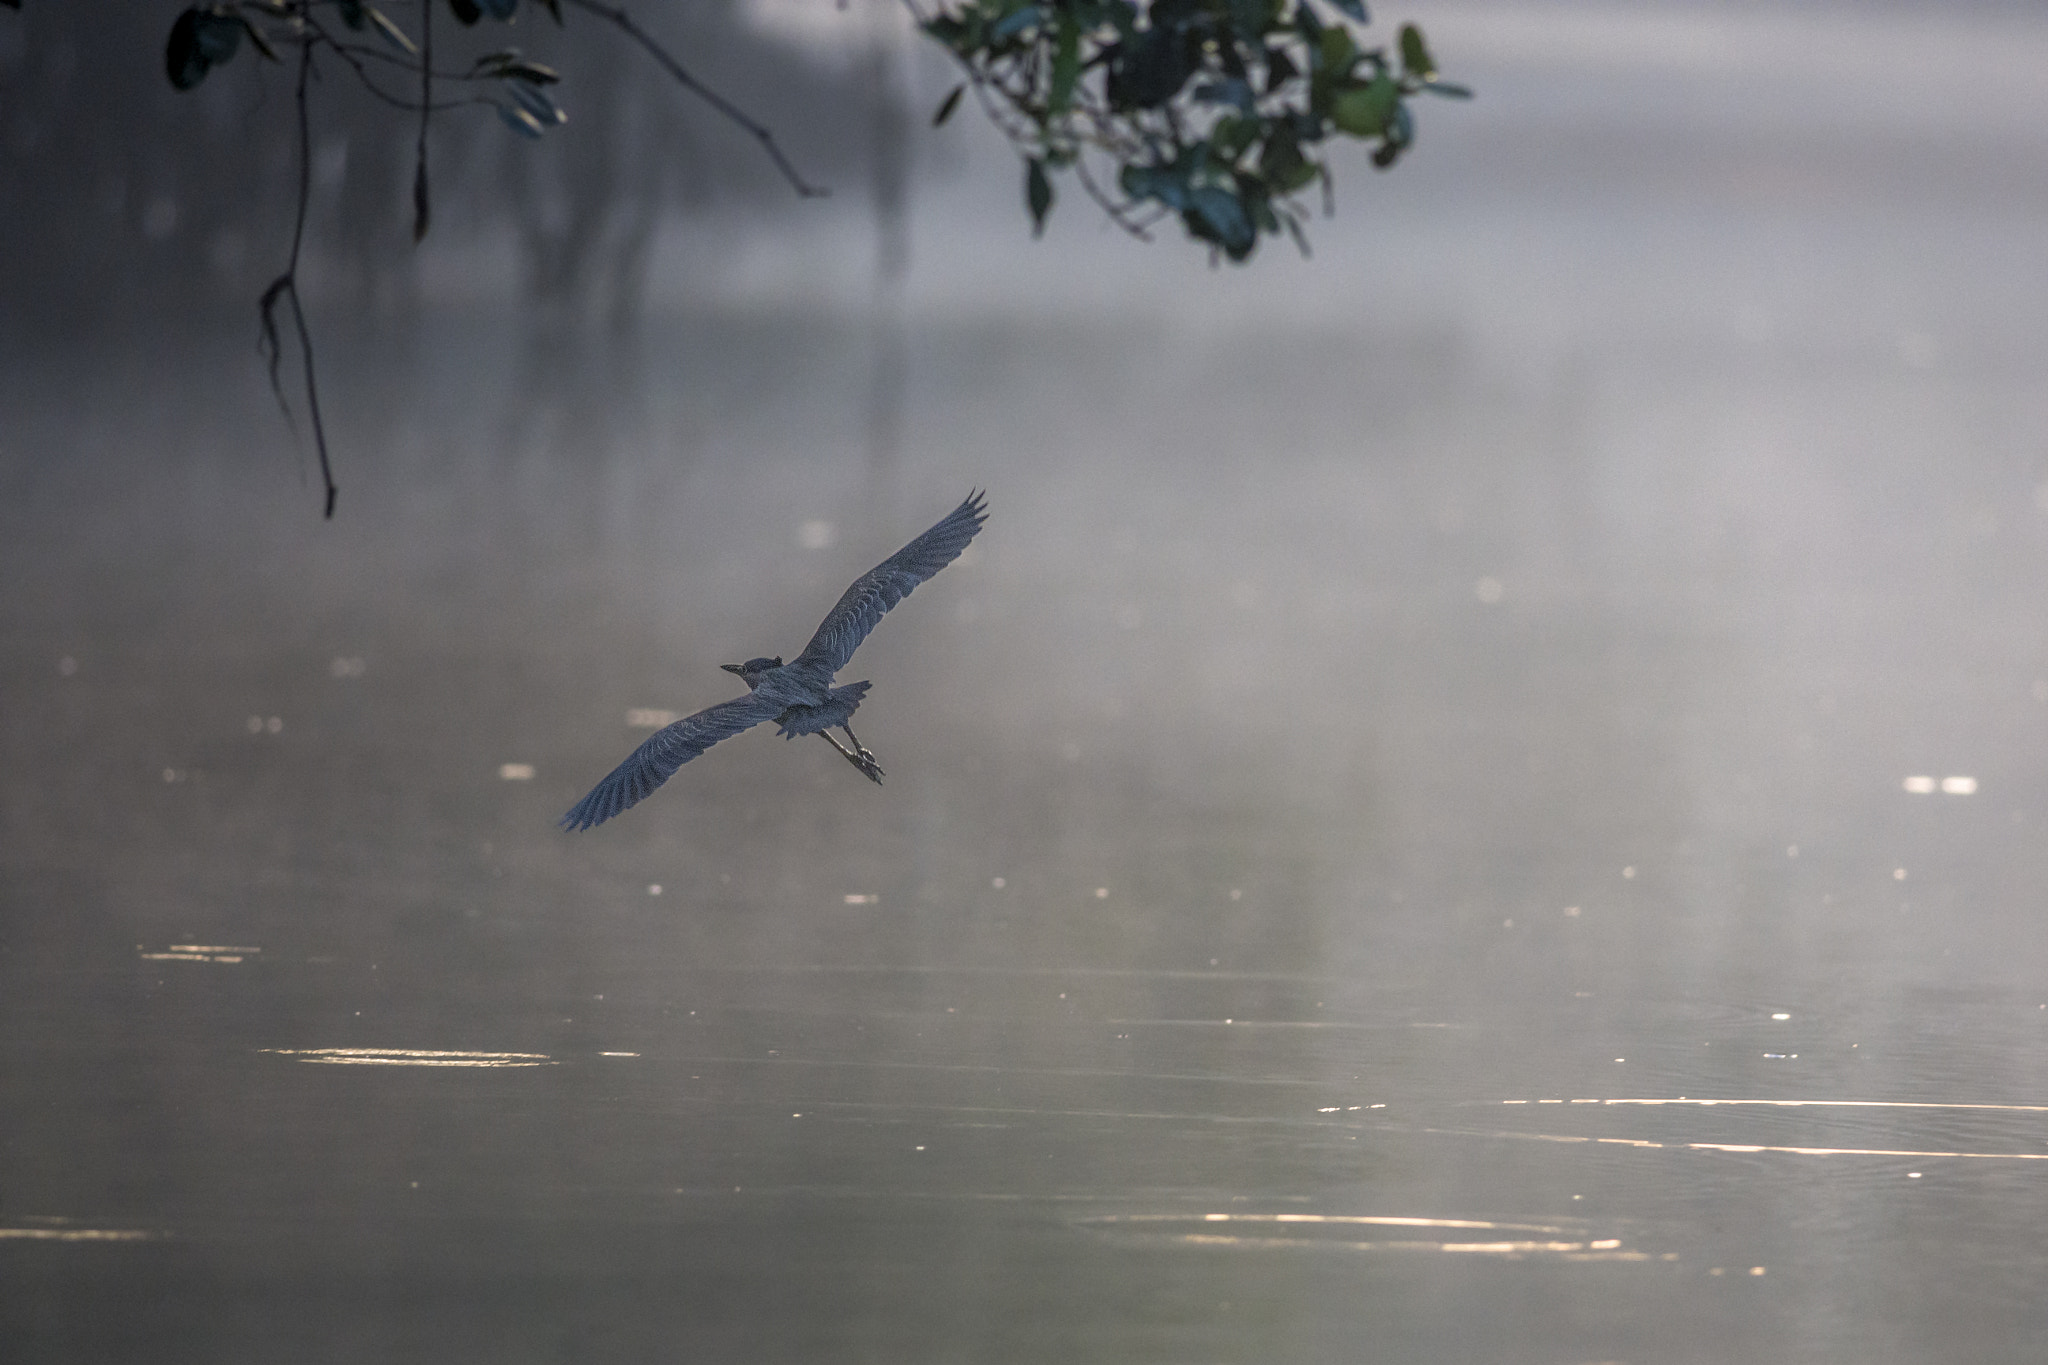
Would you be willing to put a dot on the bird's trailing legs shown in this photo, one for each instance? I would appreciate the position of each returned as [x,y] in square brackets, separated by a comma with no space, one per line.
[858,756]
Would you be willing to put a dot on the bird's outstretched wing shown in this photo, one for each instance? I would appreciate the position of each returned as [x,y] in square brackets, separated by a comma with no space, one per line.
[883,586]
[668,749]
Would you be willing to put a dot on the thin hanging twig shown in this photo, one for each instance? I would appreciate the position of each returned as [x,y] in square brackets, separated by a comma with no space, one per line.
[286,286]
[420,213]
[310,33]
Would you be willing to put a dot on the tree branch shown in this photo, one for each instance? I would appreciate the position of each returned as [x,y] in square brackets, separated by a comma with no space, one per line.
[354,53]
[1118,212]
[619,19]
[420,213]
[286,286]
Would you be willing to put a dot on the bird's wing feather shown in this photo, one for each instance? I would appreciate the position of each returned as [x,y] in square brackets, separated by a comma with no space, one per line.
[883,586]
[668,749]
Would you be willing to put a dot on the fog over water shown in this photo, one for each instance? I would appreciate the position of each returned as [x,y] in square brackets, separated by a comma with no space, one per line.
[1478,799]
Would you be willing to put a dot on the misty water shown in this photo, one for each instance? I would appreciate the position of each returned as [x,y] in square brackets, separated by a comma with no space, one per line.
[1478,799]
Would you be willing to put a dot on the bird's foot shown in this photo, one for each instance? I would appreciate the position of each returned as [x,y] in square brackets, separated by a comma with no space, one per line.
[859,757]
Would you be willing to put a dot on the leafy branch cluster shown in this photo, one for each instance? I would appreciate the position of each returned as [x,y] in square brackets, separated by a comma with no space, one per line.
[206,36]
[209,35]
[1213,110]
[1218,112]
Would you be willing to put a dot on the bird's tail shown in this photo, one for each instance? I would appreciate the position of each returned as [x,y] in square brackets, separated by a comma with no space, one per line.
[837,709]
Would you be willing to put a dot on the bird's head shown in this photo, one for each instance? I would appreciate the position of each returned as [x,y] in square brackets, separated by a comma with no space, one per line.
[753,670]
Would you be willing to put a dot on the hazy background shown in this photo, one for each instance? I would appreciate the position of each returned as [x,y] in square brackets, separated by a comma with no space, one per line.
[1478,666]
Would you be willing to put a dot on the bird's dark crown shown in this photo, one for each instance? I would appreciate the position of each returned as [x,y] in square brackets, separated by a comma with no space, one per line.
[753,669]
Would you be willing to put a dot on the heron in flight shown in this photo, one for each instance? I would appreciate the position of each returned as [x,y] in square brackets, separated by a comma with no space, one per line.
[798,695]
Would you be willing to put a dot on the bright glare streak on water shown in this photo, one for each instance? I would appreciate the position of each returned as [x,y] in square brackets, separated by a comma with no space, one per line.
[373,1056]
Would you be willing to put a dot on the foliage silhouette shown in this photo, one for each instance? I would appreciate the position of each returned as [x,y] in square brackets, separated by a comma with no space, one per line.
[1217,113]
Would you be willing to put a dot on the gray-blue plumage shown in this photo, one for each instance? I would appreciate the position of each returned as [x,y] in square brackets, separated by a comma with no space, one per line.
[798,721]
[861,606]
[798,695]
[654,762]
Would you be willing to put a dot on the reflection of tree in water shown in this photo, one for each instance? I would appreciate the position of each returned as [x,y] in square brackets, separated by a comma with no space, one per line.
[585,208]
[576,409]
[889,195]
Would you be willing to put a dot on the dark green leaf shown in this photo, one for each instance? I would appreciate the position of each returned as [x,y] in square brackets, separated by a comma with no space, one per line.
[1448,90]
[1066,68]
[465,11]
[533,71]
[183,61]
[535,101]
[1231,134]
[1037,195]
[1366,110]
[952,32]
[1354,8]
[1122,15]
[519,121]
[1216,215]
[1279,68]
[1167,184]
[1227,91]
[200,40]
[1150,69]
[1251,18]
[1013,24]
[948,105]
[1334,52]
[218,35]
[390,32]
[1282,164]
[1415,58]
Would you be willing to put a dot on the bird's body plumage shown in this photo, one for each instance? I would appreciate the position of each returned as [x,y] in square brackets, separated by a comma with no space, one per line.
[798,695]
[837,709]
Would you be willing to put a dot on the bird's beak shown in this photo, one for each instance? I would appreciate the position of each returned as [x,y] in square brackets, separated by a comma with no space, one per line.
[732,668]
